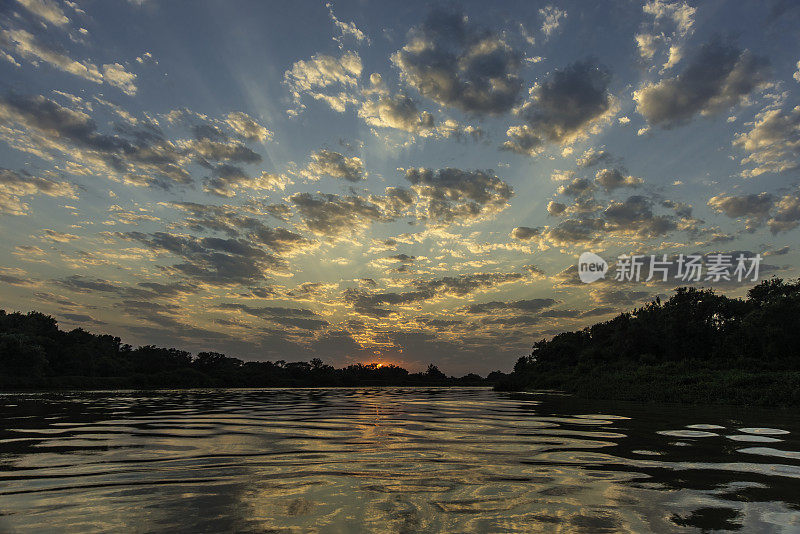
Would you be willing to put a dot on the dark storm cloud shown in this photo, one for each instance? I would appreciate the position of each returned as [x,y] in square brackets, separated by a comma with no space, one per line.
[718,77]
[562,108]
[454,63]
[446,195]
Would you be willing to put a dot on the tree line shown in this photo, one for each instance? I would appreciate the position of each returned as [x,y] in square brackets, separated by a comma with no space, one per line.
[36,353]
[698,346]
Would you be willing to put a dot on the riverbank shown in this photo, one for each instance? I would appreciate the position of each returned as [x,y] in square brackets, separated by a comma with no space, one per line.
[698,347]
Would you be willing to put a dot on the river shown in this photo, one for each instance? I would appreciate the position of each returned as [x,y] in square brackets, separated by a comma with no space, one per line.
[390,460]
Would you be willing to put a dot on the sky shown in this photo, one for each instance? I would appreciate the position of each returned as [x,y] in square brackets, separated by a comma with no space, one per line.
[403,182]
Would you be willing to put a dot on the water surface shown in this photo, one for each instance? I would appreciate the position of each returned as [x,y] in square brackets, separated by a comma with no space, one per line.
[390,460]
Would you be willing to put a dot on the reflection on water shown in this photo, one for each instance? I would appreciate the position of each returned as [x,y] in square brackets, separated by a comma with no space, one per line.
[390,460]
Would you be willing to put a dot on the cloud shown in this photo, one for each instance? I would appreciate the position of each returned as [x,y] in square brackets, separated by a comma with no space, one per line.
[116,75]
[592,157]
[329,79]
[527,306]
[787,214]
[332,215]
[551,19]
[57,237]
[226,180]
[399,112]
[742,206]
[214,260]
[773,142]
[47,10]
[374,303]
[232,222]
[246,127]
[291,317]
[570,104]
[346,29]
[329,163]
[672,23]
[611,179]
[27,45]
[718,77]
[525,233]
[631,217]
[455,64]
[15,185]
[635,215]
[447,195]
[138,152]
[578,187]
[556,208]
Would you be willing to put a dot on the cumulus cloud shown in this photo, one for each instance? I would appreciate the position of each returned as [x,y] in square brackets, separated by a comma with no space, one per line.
[592,157]
[291,317]
[742,206]
[551,19]
[450,61]
[16,185]
[346,29]
[213,260]
[399,112]
[718,77]
[226,180]
[787,214]
[247,127]
[527,306]
[556,208]
[570,104]
[232,222]
[611,179]
[57,237]
[137,153]
[447,195]
[329,163]
[525,233]
[578,187]
[672,23]
[332,215]
[773,142]
[329,79]
[374,303]
[588,222]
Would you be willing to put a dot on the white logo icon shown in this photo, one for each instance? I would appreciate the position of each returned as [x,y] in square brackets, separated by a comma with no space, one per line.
[591,267]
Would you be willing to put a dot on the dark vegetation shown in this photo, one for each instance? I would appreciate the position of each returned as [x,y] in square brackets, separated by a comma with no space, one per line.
[696,347]
[35,353]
